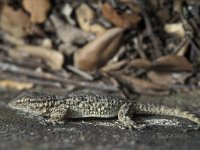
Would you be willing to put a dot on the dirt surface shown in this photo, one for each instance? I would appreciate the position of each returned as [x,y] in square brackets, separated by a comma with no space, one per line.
[22,131]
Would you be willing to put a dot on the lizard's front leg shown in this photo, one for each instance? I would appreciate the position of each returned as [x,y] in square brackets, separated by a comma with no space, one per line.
[58,114]
[124,115]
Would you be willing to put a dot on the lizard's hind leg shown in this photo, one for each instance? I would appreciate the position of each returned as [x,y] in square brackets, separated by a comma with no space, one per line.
[124,115]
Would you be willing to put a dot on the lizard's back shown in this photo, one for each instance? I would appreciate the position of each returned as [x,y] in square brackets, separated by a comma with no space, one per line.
[90,104]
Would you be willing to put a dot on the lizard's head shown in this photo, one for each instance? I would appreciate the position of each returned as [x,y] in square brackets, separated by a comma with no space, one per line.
[29,102]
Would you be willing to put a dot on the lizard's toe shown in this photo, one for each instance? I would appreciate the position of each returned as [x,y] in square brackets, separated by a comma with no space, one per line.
[134,126]
[55,122]
[139,126]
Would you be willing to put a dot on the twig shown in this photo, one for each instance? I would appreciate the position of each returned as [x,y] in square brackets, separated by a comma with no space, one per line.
[149,28]
[6,67]
[30,80]
[81,73]
[139,49]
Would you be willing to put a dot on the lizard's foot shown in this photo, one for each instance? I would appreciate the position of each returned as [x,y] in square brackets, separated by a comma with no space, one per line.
[55,122]
[128,123]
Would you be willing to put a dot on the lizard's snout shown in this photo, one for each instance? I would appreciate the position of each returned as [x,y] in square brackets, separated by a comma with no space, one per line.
[17,103]
[14,103]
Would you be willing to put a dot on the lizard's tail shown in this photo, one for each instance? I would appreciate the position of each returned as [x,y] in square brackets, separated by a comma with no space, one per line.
[145,108]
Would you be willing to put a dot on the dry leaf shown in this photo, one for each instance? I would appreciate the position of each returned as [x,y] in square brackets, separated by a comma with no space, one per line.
[177,6]
[142,86]
[13,39]
[161,78]
[16,22]
[38,9]
[172,63]
[52,57]
[11,84]
[67,11]
[140,64]
[68,34]
[85,16]
[121,20]
[175,29]
[181,77]
[168,79]
[97,29]
[114,66]
[98,52]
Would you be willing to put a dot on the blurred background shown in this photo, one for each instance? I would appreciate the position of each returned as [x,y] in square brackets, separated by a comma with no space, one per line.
[125,46]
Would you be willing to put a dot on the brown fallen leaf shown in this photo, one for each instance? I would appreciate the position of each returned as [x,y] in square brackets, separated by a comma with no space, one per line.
[98,52]
[114,66]
[161,78]
[140,64]
[172,63]
[16,22]
[85,16]
[53,58]
[142,86]
[120,20]
[174,81]
[38,9]
[11,84]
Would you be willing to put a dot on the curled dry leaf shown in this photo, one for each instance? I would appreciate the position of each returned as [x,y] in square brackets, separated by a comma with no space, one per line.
[142,86]
[53,58]
[172,63]
[98,52]
[16,22]
[85,16]
[11,84]
[38,9]
[121,20]
[175,29]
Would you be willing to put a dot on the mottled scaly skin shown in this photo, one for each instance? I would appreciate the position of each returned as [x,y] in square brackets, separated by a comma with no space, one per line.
[91,104]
